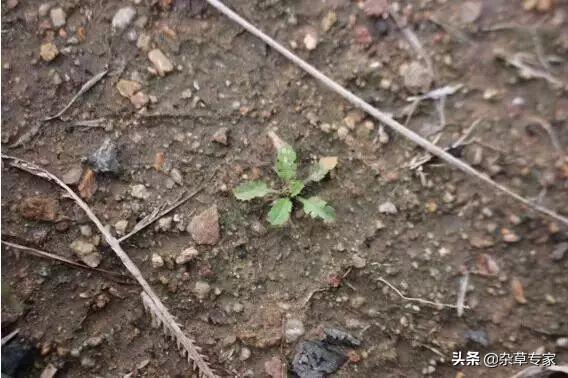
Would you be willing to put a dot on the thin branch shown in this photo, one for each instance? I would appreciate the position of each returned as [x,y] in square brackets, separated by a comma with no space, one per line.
[461,294]
[522,62]
[156,306]
[383,117]
[91,123]
[414,42]
[6,339]
[539,50]
[419,161]
[549,130]
[40,253]
[417,300]
[157,214]
[88,85]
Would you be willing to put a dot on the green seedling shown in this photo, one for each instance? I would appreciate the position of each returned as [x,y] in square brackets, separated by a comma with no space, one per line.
[286,168]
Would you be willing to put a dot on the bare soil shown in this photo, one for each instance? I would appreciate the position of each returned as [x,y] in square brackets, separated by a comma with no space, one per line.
[261,276]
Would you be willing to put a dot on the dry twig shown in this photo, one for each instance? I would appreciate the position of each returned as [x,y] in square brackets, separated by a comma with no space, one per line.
[549,130]
[419,161]
[461,293]
[525,64]
[151,301]
[414,42]
[439,95]
[40,253]
[383,117]
[91,123]
[6,339]
[88,85]
[417,300]
[158,213]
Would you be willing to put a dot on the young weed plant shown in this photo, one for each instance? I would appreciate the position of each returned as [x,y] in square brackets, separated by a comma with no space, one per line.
[286,168]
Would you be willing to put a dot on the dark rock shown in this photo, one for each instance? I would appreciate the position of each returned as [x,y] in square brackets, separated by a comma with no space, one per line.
[559,251]
[382,27]
[478,336]
[105,159]
[17,358]
[337,337]
[317,359]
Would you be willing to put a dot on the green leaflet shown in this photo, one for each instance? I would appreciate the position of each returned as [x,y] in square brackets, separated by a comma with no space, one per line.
[286,165]
[280,212]
[318,208]
[295,187]
[251,189]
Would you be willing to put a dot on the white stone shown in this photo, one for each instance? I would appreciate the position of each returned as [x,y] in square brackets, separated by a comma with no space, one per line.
[160,61]
[120,226]
[187,255]
[294,328]
[58,17]
[87,253]
[123,17]
[157,261]
[139,191]
[387,208]
[202,289]
[310,41]
[86,230]
[176,175]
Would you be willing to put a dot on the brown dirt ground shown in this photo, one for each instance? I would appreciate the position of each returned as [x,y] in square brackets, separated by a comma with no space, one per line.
[250,89]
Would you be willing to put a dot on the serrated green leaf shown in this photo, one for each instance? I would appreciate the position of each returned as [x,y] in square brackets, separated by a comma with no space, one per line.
[318,208]
[286,165]
[280,212]
[251,189]
[295,187]
[322,168]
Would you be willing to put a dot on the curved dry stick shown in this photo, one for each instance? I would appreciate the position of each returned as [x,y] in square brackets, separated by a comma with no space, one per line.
[384,118]
[40,253]
[418,300]
[152,302]
[88,85]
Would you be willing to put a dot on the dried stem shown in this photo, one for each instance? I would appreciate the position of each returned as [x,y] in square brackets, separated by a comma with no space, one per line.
[418,300]
[461,293]
[85,88]
[40,253]
[157,214]
[6,339]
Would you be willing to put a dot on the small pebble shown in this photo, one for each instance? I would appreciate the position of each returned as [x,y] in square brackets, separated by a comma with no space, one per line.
[157,261]
[176,175]
[58,17]
[139,191]
[87,362]
[160,61]
[121,226]
[86,230]
[245,354]
[202,289]
[383,135]
[311,40]
[293,329]
[358,261]
[123,17]
[48,51]
[387,208]
[187,255]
